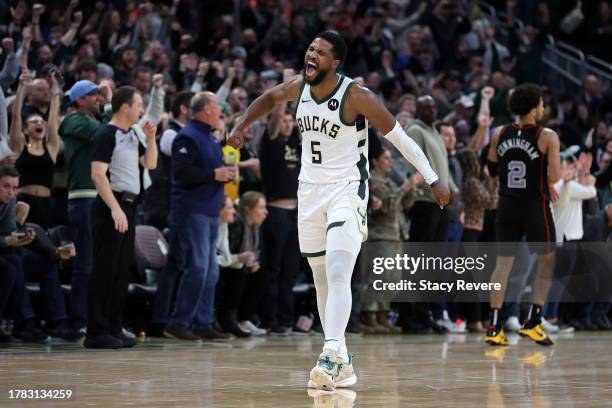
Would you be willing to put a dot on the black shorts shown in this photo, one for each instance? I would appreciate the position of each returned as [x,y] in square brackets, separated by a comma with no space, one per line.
[530,218]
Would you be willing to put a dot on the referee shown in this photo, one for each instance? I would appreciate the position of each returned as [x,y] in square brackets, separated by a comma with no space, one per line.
[116,155]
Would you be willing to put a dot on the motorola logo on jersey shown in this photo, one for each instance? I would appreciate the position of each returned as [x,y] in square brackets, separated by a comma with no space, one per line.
[333,104]
[317,124]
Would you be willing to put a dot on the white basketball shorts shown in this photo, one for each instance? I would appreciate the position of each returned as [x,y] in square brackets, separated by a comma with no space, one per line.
[322,207]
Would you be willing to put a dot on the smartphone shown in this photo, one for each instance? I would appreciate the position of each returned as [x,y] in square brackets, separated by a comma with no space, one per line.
[58,77]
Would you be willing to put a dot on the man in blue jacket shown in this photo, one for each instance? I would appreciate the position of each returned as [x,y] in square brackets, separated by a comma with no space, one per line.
[198,176]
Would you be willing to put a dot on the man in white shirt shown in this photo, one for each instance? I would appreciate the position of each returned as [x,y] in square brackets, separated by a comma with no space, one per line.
[576,185]
[180,116]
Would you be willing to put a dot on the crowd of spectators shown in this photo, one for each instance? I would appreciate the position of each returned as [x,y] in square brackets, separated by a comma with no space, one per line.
[441,67]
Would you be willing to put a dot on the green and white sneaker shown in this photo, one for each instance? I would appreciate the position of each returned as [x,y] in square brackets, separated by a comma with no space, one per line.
[323,375]
[347,377]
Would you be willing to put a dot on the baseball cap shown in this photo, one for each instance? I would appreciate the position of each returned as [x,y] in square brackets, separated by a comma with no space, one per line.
[81,88]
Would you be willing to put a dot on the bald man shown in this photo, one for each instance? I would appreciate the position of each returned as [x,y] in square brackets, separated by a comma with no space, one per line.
[197,180]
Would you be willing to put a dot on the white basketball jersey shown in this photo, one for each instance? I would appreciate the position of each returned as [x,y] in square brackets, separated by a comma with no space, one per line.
[332,150]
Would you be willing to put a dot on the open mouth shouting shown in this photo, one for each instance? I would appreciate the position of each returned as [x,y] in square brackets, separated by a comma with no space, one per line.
[311,69]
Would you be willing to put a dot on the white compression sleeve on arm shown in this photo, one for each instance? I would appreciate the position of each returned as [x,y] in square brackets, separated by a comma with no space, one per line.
[412,152]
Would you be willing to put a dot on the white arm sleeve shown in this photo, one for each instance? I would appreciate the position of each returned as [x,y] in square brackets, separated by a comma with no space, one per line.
[165,144]
[412,152]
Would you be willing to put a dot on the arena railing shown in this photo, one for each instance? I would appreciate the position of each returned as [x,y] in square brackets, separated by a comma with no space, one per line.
[566,61]
[599,68]
[566,65]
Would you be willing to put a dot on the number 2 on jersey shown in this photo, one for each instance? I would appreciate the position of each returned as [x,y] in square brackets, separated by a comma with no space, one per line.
[316,154]
[516,174]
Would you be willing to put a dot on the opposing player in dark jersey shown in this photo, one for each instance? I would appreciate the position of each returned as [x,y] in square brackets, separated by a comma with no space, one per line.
[526,158]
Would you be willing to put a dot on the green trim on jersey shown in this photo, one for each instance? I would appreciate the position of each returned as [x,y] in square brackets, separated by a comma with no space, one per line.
[361,165]
[313,254]
[335,224]
[297,105]
[346,92]
[328,97]
[362,190]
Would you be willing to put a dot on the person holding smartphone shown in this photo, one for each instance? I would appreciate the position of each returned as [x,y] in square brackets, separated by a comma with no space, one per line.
[13,293]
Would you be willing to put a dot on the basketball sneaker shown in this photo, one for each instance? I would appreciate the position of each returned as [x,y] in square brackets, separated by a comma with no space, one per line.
[513,324]
[536,333]
[495,337]
[248,326]
[323,375]
[347,377]
[549,327]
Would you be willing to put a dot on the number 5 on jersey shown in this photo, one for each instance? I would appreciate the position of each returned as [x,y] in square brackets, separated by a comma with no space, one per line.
[316,153]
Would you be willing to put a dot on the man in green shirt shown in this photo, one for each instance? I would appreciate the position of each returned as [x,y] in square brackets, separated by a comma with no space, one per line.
[77,131]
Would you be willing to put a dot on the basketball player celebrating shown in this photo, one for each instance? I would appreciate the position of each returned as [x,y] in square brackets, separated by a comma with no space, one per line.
[332,115]
[526,156]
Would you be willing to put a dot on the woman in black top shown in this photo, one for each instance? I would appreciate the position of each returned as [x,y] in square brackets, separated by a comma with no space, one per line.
[36,144]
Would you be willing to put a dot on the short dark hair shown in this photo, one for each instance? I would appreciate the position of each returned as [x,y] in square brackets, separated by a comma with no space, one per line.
[138,70]
[182,98]
[440,125]
[8,171]
[87,65]
[387,87]
[338,45]
[524,98]
[121,96]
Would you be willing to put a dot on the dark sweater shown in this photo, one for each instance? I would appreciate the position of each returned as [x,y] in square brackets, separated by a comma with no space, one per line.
[196,153]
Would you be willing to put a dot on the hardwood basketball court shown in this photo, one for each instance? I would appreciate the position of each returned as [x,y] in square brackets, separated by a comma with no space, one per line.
[393,371]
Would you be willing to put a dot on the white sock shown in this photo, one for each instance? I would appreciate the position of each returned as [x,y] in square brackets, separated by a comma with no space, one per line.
[317,265]
[339,347]
[339,266]
[343,351]
[320,280]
